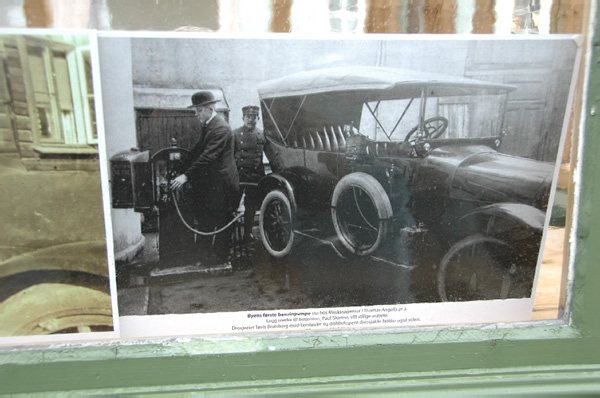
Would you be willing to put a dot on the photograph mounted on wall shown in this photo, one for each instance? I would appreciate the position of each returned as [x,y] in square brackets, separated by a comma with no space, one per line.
[54,273]
[330,184]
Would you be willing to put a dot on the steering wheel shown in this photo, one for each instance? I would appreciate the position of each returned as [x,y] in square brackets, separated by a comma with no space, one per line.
[433,127]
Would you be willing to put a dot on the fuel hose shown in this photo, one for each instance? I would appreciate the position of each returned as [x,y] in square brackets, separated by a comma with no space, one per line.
[202,233]
[211,233]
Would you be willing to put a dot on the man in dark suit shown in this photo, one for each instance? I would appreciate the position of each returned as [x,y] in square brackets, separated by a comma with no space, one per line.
[213,175]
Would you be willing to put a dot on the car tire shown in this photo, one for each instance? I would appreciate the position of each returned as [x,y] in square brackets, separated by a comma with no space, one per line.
[275,223]
[63,288]
[481,267]
[73,309]
[360,210]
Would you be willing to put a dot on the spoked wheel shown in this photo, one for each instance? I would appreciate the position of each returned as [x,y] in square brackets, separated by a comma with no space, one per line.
[481,267]
[276,224]
[360,211]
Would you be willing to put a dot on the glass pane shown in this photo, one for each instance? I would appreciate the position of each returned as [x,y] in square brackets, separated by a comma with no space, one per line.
[38,71]
[68,126]
[43,122]
[63,84]
[89,90]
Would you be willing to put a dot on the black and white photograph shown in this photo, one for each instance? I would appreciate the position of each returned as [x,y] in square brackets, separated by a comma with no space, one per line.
[270,183]
[55,281]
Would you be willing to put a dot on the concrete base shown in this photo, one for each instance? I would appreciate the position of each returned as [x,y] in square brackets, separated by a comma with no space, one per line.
[130,252]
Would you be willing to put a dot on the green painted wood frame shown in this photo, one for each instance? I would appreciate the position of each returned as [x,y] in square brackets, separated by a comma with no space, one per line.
[555,357]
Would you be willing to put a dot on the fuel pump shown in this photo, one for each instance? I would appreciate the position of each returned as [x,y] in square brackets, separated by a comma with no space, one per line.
[140,181]
[176,243]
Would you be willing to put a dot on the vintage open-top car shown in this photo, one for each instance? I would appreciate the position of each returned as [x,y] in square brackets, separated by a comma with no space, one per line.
[363,154]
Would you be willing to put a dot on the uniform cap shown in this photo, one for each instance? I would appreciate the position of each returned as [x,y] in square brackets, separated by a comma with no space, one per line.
[250,110]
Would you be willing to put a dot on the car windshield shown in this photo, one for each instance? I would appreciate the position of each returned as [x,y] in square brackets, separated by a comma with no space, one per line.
[444,117]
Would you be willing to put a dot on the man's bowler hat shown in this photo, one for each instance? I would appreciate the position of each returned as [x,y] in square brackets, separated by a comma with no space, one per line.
[250,110]
[202,98]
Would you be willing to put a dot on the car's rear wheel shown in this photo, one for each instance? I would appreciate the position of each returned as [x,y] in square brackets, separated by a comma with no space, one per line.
[276,224]
[480,267]
[361,210]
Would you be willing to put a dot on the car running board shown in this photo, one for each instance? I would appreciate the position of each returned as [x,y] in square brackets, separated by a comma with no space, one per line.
[331,242]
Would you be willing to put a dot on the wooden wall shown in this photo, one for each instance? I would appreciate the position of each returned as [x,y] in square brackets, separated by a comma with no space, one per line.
[7,122]
[15,120]
[534,113]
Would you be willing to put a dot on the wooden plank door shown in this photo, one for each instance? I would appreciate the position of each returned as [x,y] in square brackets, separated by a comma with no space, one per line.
[157,128]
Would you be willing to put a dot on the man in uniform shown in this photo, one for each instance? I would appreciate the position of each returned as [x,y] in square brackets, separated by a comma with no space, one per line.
[249,146]
[212,172]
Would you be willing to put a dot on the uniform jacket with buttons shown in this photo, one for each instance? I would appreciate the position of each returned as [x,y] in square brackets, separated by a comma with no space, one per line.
[249,146]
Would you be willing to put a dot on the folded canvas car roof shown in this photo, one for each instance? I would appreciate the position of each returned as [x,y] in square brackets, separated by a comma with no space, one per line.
[397,83]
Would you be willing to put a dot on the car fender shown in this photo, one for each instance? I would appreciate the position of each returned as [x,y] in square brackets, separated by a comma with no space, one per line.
[277,181]
[513,221]
[86,257]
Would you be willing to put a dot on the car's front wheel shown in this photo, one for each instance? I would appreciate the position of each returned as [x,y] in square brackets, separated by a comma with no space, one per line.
[481,267]
[276,224]
[361,211]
